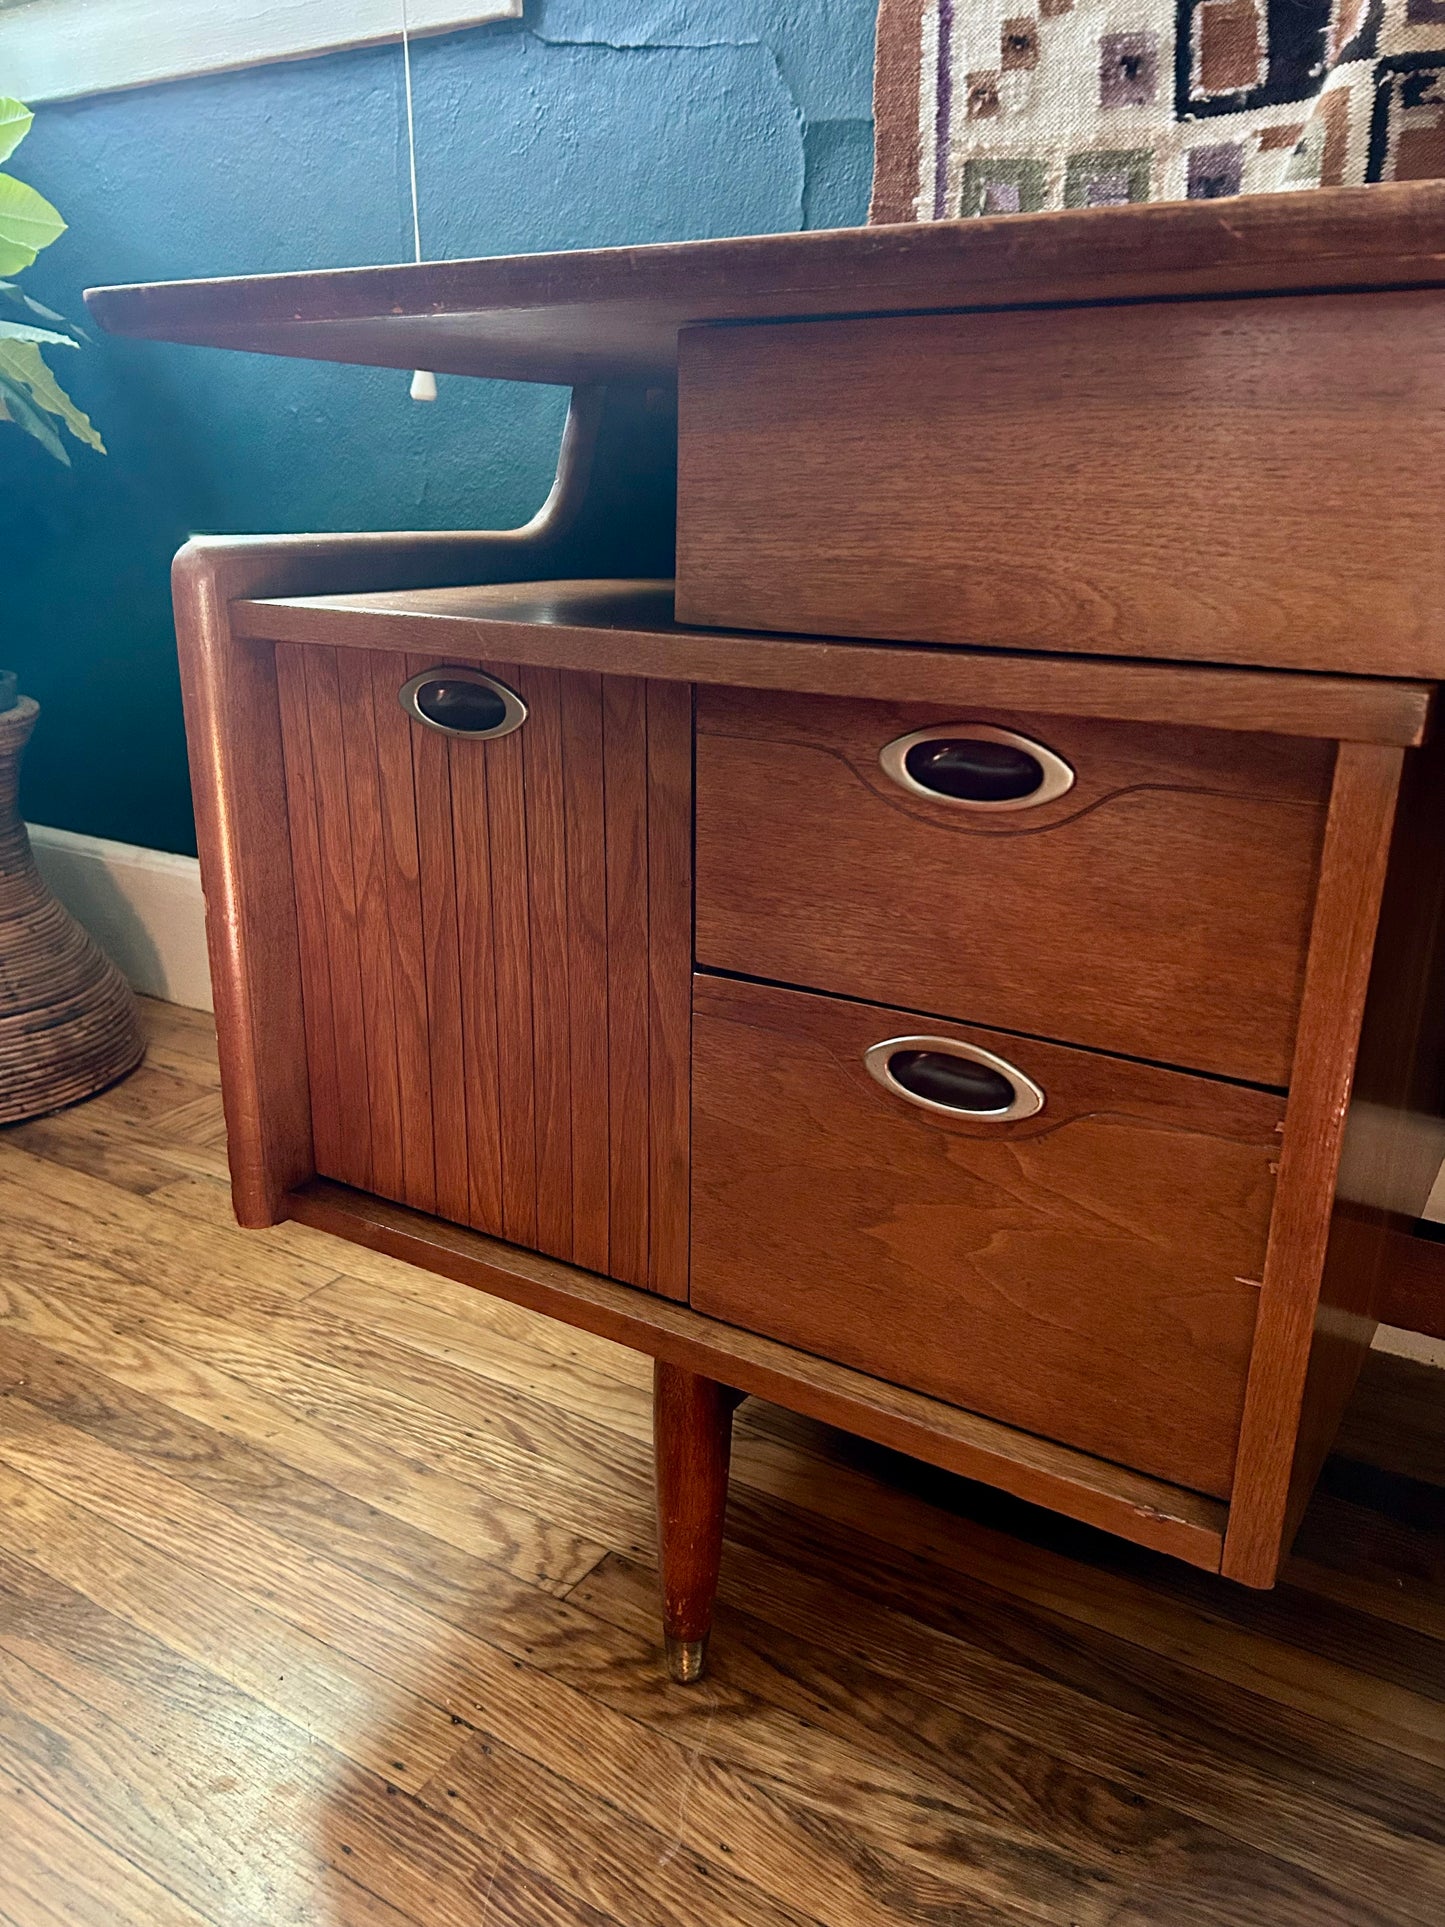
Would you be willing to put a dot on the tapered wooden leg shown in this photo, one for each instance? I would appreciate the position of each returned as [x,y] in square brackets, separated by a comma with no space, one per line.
[692,1423]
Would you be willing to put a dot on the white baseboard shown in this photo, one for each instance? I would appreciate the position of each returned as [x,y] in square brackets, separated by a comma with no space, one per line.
[143,907]
[1425,1351]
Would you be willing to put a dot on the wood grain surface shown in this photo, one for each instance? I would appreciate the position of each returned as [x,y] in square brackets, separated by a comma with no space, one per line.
[1317,1316]
[1159,908]
[610,312]
[692,1422]
[250,1560]
[610,507]
[1090,1273]
[1412,1283]
[627,628]
[1394,1139]
[234,741]
[1234,481]
[531,899]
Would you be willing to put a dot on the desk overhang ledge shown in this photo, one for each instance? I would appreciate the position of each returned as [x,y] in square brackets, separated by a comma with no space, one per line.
[614,314]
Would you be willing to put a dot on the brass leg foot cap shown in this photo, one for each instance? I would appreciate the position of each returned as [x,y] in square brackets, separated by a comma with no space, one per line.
[686,1659]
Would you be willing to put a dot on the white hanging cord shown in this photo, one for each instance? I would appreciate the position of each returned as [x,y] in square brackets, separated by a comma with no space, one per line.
[423,382]
[410,129]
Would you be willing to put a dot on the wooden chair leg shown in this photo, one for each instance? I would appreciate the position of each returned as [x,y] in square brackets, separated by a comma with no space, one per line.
[692,1436]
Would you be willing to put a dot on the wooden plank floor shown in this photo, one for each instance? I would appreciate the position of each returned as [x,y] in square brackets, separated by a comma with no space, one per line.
[326,1600]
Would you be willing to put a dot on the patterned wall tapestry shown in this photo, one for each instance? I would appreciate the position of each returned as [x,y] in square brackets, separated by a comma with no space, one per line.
[1009,106]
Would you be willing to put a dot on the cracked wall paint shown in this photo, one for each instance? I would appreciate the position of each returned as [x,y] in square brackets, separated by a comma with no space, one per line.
[589,123]
[824,48]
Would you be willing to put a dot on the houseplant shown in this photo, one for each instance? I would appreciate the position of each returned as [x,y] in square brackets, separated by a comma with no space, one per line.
[68,1021]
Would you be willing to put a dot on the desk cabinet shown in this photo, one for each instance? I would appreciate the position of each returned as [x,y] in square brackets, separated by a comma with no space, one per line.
[1014,1033]
[495,950]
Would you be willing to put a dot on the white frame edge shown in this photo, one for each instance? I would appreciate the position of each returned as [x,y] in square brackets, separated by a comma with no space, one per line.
[61,49]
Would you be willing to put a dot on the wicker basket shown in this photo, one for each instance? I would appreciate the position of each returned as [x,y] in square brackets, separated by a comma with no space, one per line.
[68,1020]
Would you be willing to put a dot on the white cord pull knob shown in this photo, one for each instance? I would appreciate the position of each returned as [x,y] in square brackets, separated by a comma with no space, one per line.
[423,385]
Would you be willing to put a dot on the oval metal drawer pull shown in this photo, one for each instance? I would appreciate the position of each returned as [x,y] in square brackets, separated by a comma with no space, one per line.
[956,1080]
[463,702]
[974,766]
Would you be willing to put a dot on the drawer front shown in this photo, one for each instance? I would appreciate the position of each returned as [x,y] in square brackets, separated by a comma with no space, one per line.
[1086,1272]
[496,951]
[1159,906]
[1217,481]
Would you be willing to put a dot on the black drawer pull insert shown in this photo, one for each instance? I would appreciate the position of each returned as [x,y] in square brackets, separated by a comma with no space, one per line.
[976,767]
[954,1079]
[463,702]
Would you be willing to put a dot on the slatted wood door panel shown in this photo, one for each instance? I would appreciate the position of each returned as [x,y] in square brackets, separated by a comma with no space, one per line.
[496,952]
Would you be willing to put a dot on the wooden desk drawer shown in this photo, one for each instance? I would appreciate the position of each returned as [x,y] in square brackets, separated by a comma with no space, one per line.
[1086,1273]
[1223,481]
[1159,907]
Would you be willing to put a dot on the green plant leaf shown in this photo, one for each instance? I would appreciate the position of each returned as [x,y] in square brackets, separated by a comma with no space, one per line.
[28,223]
[20,410]
[21,367]
[12,292]
[17,297]
[15,119]
[22,331]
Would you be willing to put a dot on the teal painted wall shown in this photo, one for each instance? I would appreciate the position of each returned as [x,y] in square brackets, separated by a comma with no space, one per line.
[589,123]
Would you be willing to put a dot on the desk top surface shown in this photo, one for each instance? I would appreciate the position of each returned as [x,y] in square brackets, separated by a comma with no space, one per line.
[615,313]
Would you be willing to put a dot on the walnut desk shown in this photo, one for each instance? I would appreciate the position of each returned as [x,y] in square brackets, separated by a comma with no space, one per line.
[965,963]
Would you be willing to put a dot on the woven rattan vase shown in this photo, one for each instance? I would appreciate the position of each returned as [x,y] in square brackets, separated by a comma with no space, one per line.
[68,1020]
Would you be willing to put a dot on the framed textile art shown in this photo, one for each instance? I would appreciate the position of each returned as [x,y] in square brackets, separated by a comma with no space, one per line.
[1011,106]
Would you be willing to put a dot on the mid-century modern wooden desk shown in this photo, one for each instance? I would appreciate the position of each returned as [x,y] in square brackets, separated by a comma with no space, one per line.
[967,968]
